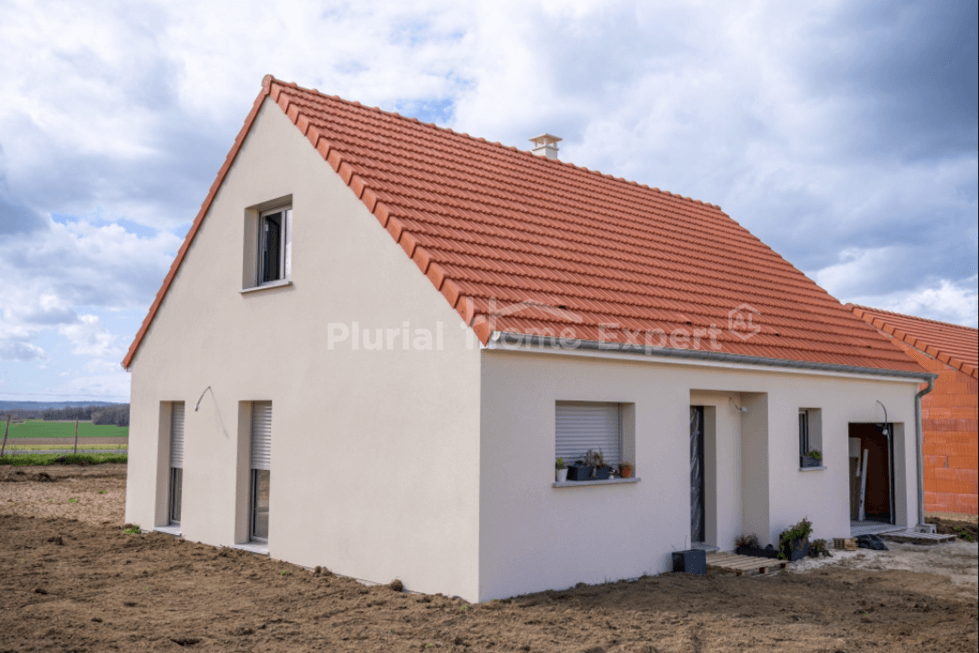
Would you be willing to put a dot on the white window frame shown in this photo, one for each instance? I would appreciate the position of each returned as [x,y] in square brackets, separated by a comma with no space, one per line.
[259,461]
[812,439]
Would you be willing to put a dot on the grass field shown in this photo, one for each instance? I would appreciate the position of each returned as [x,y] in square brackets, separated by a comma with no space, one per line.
[64,447]
[35,428]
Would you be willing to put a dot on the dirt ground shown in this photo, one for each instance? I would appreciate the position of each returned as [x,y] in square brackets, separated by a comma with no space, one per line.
[72,581]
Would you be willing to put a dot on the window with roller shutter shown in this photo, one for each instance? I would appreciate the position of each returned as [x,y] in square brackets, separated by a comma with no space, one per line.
[581,426]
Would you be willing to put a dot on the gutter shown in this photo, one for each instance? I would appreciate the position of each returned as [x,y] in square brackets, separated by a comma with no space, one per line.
[919,436]
[502,339]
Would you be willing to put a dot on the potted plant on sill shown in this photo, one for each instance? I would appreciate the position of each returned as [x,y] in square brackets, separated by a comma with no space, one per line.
[560,471]
[812,458]
[591,467]
[625,470]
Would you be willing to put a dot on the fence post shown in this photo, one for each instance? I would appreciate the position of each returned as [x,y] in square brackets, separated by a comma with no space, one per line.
[4,447]
[76,436]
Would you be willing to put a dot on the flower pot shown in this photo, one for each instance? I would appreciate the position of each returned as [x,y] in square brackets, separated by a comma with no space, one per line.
[692,561]
[809,461]
[561,475]
[579,472]
[795,550]
[626,471]
[757,552]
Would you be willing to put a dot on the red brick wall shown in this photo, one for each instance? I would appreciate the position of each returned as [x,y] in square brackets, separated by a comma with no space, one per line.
[950,421]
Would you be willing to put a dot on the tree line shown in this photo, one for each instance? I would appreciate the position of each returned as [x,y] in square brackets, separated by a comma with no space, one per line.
[115,415]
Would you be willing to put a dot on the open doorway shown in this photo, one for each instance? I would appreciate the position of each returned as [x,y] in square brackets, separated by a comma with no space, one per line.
[698,507]
[871,473]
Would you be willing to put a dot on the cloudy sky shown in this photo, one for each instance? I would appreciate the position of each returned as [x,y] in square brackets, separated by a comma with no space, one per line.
[842,133]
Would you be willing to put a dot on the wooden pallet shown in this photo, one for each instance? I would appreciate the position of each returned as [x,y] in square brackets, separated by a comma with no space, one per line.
[744,564]
[844,544]
[917,538]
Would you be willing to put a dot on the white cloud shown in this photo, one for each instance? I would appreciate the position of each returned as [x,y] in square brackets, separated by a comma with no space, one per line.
[11,350]
[946,301]
[49,272]
[842,134]
[89,338]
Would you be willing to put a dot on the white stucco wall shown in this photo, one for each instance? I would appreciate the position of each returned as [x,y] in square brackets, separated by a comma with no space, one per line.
[375,454]
[534,536]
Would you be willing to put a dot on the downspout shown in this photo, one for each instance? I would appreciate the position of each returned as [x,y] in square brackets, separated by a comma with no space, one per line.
[919,436]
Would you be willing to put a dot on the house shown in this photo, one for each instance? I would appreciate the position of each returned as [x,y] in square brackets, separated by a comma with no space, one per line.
[379,335]
[950,414]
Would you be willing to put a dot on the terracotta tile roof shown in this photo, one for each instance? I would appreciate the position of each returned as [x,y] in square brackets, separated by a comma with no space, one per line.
[493,226]
[955,345]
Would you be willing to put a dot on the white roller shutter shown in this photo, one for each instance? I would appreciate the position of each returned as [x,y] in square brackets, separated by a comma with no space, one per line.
[261,434]
[582,426]
[177,435]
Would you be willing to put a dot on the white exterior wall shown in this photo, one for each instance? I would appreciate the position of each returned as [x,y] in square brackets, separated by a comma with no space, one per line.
[534,536]
[375,454]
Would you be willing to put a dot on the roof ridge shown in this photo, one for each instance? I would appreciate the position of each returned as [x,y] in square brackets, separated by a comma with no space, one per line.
[911,317]
[923,342]
[480,139]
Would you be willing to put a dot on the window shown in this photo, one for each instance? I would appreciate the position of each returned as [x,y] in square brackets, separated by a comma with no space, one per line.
[273,245]
[176,462]
[810,438]
[803,432]
[267,252]
[259,477]
[584,426]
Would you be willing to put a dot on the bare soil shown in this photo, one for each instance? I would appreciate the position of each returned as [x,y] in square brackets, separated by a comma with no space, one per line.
[966,529]
[71,580]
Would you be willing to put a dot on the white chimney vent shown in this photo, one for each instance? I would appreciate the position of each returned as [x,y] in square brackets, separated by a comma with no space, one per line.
[545,145]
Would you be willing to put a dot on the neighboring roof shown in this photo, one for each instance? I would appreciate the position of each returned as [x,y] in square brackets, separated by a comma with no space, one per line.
[496,226]
[955,345]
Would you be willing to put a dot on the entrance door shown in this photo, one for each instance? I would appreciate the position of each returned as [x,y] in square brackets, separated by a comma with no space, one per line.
[697,504]
[873,481]
[176,461]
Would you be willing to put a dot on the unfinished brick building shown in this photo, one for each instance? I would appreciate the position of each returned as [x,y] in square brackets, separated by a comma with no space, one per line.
[950,413]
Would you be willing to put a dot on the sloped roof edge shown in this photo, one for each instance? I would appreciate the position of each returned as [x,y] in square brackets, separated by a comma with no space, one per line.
[205,206]
[876,317]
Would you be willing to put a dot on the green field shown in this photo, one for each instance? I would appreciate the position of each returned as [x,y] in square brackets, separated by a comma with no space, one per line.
[35,428]
[64,447]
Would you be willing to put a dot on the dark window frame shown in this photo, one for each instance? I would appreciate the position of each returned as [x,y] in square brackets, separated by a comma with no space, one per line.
[804,447]
[273,238]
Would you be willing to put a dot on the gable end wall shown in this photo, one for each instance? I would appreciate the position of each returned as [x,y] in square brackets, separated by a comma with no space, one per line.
[374,453]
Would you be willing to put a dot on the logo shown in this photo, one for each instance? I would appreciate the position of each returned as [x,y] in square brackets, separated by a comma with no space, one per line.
[740,321]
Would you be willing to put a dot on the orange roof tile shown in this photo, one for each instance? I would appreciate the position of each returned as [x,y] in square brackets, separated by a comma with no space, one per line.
[955,345]
[495,226]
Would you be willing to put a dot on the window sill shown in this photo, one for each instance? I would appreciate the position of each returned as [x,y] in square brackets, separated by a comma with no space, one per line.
[609,481]
[255,546]
[171,529]
[812,469]
[267,286]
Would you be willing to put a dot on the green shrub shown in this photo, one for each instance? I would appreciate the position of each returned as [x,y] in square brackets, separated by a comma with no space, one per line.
[31,459]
